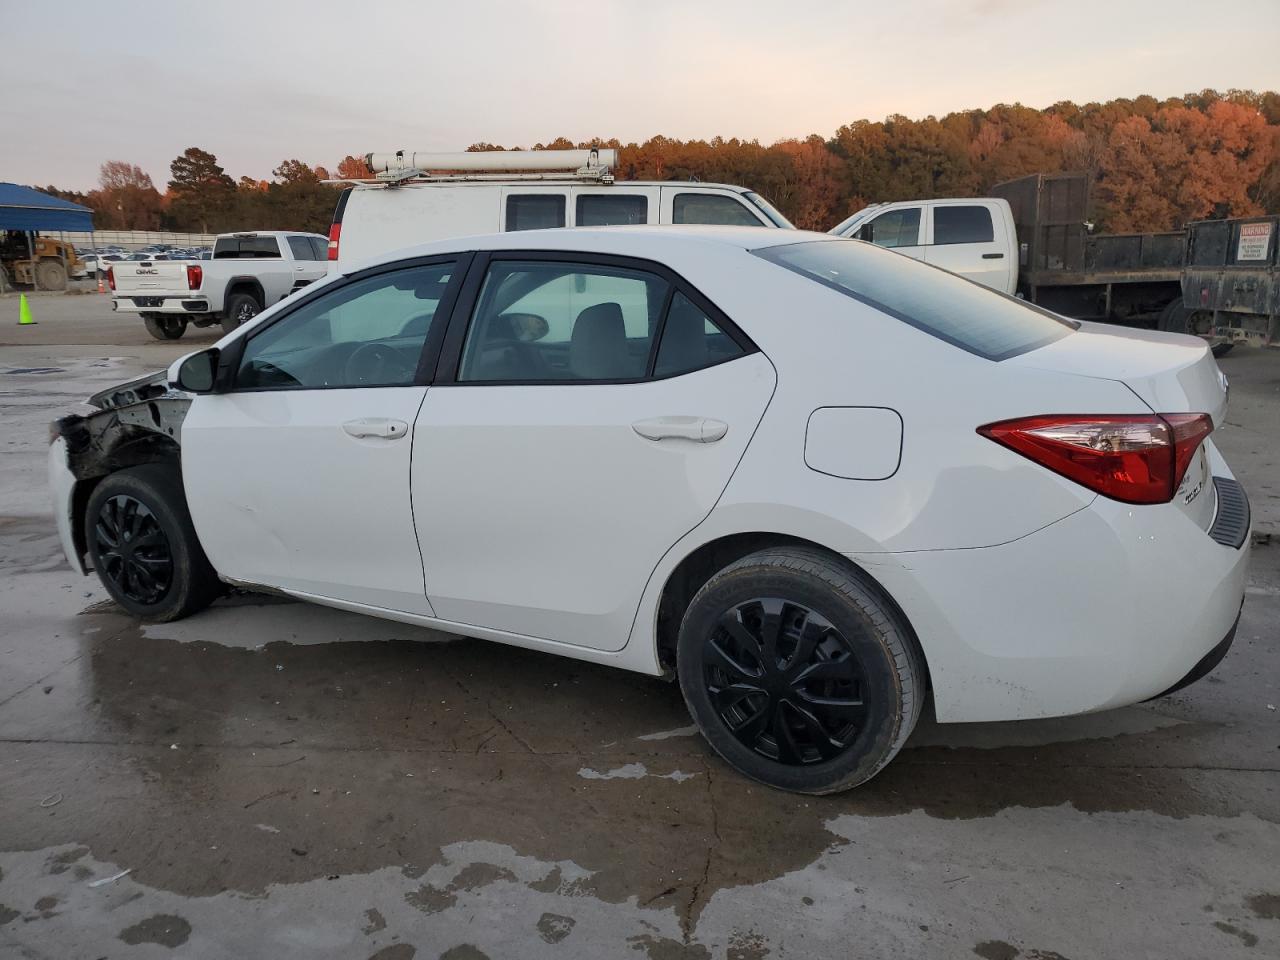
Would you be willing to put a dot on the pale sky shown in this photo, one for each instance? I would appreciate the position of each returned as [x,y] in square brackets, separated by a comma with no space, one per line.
[259,82]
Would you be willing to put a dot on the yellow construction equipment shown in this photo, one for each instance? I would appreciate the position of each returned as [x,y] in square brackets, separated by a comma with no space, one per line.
[52,263]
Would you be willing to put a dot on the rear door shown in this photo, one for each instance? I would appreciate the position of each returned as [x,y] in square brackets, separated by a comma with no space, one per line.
[691,204]
[967,240]
[588,413]
[900,229]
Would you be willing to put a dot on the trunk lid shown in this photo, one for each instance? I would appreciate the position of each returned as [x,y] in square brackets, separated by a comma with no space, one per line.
[1169,372]
[150,277]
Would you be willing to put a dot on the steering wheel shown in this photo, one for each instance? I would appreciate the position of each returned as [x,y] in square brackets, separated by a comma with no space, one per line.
[377,364]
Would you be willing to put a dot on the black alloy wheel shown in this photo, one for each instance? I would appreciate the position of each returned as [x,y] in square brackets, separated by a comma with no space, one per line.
[784,681]
[133,550]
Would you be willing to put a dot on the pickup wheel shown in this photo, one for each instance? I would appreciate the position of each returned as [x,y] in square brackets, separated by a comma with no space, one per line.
[143,546]
[164,327]
[241,308]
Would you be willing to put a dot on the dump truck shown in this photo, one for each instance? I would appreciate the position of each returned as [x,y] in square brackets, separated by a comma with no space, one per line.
[48,268]
[1214,278]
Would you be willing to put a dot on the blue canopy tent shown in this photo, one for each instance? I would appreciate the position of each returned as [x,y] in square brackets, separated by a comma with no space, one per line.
[26,210]
[22,208]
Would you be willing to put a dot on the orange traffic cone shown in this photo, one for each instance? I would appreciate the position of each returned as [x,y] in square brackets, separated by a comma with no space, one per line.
[101,288]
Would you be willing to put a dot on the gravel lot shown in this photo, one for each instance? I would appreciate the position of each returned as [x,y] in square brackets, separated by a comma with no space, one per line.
[280,780]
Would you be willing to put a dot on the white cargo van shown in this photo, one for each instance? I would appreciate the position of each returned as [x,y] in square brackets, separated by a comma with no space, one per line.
[972,237]
[473,193]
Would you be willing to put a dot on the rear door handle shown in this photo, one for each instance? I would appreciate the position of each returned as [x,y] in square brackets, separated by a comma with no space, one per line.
[993,256]
[697,429]
[376,427]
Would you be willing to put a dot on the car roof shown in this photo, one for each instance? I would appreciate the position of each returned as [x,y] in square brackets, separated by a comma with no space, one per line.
[645,241]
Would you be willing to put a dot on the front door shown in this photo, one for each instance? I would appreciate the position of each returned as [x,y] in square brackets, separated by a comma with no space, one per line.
[298,474]
[594,415]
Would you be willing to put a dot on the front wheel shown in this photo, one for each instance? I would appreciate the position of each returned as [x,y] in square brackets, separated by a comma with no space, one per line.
[164,327]
[240,308]
[143,546]
[799,672]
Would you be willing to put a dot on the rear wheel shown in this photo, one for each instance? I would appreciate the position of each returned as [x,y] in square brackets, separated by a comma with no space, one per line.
[164,327]
[143,545]
[799,672]
[51,275]
[240,308]
[1177,318]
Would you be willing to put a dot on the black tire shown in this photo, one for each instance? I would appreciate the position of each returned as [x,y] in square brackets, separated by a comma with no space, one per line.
[161,573]
[870,692]
[240,308]
[51,275]
[164,327]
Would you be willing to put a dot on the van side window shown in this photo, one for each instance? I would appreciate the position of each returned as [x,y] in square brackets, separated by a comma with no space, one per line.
[711,208]
[691,340]
[960,224]
[534,211]
[897,228]
[607,209]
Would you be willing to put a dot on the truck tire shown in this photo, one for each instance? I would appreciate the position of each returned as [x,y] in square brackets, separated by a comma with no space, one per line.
[165,327]
[51,275]
[240,308]
[1177,318]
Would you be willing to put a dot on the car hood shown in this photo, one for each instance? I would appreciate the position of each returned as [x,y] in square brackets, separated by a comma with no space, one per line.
[133,391]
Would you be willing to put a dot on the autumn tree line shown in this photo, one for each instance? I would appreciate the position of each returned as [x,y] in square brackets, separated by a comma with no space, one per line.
[1156,164]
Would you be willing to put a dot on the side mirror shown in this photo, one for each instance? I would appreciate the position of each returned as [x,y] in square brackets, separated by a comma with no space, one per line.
[196,372]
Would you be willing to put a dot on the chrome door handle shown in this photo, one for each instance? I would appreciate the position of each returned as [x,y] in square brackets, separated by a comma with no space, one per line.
[697,429]
[379,427]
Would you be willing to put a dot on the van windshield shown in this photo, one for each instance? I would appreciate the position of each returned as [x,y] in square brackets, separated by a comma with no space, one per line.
[965,314]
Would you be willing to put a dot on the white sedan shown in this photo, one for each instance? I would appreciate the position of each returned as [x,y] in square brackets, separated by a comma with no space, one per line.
[811,479]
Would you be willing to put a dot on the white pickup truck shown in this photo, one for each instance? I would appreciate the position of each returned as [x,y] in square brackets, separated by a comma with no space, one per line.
[972,237]
[247,273]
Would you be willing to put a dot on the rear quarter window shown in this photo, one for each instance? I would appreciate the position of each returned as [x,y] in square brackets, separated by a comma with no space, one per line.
[964,314]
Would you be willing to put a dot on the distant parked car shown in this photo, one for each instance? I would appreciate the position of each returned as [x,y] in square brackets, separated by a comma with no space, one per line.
[811,479]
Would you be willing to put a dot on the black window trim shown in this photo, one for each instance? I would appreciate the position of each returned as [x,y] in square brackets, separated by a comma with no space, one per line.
[230,356]
[767,254]
[462,316]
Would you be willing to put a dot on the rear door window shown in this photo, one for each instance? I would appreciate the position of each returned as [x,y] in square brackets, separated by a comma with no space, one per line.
[967,315]
[301,248]
[962,224]
[711,208]
[609,209]
[535,211]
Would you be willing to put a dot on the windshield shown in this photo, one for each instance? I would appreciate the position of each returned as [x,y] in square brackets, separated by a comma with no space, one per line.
[844,226]
[965,314]
[769,210]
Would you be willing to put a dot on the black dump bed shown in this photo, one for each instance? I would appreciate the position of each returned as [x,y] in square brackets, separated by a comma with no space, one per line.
[1232,266]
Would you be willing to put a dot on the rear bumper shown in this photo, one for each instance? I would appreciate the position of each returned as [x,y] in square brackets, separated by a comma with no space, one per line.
[1206,664]
[1111,605]
[194,303]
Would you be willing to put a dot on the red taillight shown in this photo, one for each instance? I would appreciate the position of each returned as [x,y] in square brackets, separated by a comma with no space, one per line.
[111,277]
[335,235]
[195,276]
[1131,458]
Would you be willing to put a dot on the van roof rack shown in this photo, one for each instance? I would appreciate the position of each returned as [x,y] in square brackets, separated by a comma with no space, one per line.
[403,166]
